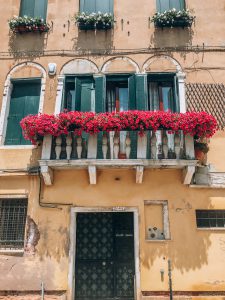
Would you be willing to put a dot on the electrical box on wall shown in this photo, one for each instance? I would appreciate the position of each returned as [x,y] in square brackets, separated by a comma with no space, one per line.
[155,233]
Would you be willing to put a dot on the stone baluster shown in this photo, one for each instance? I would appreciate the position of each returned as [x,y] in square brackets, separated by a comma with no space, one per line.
[165,145]
[177,145]
[153,145]
[68,146]
[79,147]
[116,146]
[58,147]
[104,146]
[128,145]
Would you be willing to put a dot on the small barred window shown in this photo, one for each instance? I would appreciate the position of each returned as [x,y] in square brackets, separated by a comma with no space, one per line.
[13,214]
[210,218]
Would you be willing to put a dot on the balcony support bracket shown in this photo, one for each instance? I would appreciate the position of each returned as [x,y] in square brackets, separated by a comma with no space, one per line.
[139,174]
[92,174]
[47,174]
[188,173]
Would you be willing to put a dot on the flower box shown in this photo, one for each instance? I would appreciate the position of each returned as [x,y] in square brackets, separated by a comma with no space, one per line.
[173,18]
[27,24]
[94,21]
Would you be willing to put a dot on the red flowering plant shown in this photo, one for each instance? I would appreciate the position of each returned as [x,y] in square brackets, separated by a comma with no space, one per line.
[197,124]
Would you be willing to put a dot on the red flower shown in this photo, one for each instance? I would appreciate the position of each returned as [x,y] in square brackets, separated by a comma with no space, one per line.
[198,124]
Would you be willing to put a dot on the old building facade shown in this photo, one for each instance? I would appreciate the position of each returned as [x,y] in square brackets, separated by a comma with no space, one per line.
[109,226]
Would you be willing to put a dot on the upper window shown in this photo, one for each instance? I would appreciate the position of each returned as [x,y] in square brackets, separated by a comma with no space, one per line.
[34,8]
[162,92]
[24,101]
[90,6]
[210,218]
[163,5]
[13,214]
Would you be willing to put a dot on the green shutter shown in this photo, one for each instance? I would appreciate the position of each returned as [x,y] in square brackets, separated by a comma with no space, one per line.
[162,5]
[27,8]
[87,97]
[33,8]
[104,6]
[178,4]
[132,106]
[132,92]
[88,6]
[76,103]
[40,8]
[141,92]
[176,95]
[100,105]
[24,101]
[100,94]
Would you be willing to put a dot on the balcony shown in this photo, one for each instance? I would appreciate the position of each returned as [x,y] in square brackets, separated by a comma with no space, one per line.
[125,149]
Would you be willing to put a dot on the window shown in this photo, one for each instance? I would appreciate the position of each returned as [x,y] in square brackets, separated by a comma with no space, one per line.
[80,94]
[210,218]
[13,214]
[162,5]
[24,101]
[100,93]
[90,6]
[162,92]
[33,8]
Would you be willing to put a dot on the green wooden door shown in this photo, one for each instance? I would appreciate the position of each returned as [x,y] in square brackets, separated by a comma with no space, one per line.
[24,101]
[104,267]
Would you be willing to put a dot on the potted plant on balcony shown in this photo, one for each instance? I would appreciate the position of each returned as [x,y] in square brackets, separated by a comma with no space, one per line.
[28,24]
[99,21]
[173,18]
[201,150]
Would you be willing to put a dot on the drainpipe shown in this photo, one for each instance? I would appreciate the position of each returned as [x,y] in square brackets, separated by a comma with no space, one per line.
[170,279]
[42,291]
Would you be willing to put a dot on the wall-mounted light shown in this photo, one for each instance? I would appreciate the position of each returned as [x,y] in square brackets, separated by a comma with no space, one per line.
[52,69]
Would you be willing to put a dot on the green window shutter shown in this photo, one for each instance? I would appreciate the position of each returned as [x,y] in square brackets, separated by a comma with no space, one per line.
[24,101]
[100,94]
[178,4]
[132,106]
[176,95]
[40,8]
[100,106]
[162,5]
[27,8]
[141,92]
[132,92]
[104,6]
[76,103]
[87,97]
[88,6]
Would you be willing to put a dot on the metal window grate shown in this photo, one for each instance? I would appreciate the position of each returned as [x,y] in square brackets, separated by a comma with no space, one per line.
[210,218]
[13,214]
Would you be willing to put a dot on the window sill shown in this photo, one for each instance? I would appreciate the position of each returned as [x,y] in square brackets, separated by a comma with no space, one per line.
[17,147]
[212,229]
[12,252]
[158,241]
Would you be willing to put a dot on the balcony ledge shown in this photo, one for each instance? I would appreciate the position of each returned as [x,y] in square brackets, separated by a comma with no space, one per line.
[47,167]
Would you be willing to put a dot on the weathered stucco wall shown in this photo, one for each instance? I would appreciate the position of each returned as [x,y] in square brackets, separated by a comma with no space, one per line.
[197,256]
[194,253]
